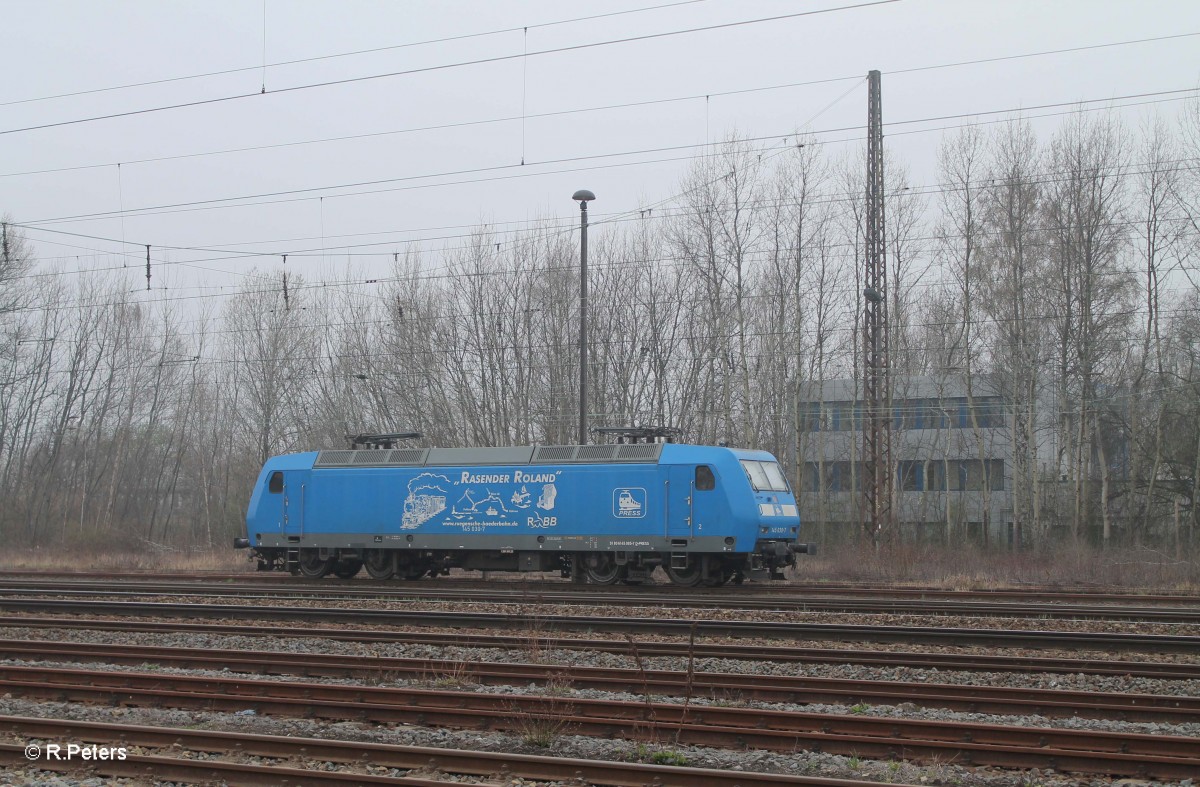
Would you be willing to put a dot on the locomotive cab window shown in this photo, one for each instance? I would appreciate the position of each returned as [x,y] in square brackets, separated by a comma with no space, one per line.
[705,480]
[765,476]
[275,485]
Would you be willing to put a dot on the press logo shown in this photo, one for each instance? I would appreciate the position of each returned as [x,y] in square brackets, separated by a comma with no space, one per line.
[629,502]
[74,751]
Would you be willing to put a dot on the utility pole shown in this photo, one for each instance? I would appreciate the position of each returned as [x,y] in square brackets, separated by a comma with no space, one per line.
[876,407]
[583,196]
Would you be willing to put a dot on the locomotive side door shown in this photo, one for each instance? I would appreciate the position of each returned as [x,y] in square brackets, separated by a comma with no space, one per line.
[679,501]
[269,514]
[293,502]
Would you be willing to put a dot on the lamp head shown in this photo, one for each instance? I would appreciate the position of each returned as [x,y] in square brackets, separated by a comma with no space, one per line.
[583,195]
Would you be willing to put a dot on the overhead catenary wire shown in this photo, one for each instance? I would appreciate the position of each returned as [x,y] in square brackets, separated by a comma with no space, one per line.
[922,68]
[351,283]
[1182,93]
[445,66]
[624,217]
[1042,178]
[602,108]
[768,205]
[600,167]
[447,274]
[837,327]
[316,58]
[1128,313]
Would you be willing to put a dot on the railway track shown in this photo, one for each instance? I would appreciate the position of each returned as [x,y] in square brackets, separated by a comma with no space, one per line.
[1080,751]
[727,687]
[1106,641]
[688,722]
[456,762]
[627,597]
[860,589]
[942,661]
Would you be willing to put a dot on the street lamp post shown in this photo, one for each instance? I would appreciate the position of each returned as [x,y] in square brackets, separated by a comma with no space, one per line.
[584,197]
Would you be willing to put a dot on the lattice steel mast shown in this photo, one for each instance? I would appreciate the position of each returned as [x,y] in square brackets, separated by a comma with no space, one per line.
[877,432]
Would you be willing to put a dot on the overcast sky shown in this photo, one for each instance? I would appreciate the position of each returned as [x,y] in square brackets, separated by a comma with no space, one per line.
[428,184]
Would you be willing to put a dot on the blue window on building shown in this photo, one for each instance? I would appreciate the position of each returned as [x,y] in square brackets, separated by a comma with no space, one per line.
[836,482]
[810,416]
[843,477]
[936,480]
[910,475]
[812,477]
[939,414]
[916,413]
[845,416]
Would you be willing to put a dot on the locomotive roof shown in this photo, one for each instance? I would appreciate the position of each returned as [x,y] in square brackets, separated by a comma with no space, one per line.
[506,455]
[644,453]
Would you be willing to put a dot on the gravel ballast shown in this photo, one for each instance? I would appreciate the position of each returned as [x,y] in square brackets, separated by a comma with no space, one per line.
[286,638]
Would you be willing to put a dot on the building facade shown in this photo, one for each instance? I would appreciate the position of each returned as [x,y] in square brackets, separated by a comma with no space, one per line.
[952,458]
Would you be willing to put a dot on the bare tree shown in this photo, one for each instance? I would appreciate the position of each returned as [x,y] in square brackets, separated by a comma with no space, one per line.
[961,163]
[718,235]
[1084,211]
[1160,243]
[1012,285]
[273,354]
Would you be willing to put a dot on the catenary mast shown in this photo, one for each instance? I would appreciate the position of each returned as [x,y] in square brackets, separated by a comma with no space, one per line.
[876,409]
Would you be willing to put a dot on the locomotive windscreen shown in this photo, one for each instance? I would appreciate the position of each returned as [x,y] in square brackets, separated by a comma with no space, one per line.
[765,476]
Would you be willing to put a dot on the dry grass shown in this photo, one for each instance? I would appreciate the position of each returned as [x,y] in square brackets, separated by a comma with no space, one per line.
[536,633]
[967,567]
[956,567]
[545,725]
[450,675]
[183,560]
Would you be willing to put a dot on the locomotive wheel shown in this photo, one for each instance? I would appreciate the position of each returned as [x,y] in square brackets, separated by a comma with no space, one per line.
[601,569]
[348,569]
[688,577]
[311,566]
[380,564]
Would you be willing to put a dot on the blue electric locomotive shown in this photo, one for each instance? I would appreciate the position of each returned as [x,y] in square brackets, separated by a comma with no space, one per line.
[598,513]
